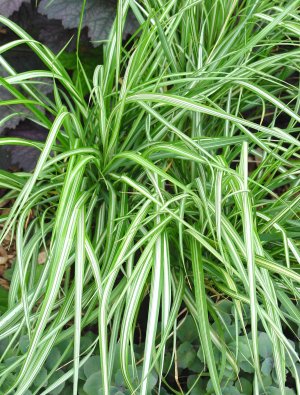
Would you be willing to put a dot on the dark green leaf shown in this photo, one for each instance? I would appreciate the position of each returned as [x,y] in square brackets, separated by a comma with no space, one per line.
[93,384]
[265,345]
[119,379]
[188,330]
[24,343]
[91,366]
[230,390]
[56,375]
[3,299]
[41,378]
[244,386]
[186,355]
[52,358]
[199,387]
[267,366]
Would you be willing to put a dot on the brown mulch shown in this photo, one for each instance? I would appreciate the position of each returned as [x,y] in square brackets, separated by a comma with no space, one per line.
[8,247]
[7,250]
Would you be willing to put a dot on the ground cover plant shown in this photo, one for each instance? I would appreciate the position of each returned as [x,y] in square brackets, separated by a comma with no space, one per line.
[165,201]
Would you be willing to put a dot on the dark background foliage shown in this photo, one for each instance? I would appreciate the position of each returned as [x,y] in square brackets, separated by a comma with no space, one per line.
[54,23]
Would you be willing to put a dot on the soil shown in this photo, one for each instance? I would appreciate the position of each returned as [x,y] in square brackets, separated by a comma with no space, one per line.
[7,251]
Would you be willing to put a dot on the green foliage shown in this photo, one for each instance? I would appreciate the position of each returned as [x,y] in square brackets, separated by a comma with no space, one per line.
[244,386]
[264,345]
[167,190]
[24,343]
[189,360]
[188,330]
[186,355]
[93,384]
[3,300]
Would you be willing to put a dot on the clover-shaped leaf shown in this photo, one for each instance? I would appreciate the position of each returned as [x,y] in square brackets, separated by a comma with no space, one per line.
[196,384]
[186,355]
[230,390]
[119,379]
[52,358]
[244,355]
[24,343]
[152,378]
[41,378]
[93,384]
[276,391]
[86,341]
[244,386]
[265,348]
[225,307]
[291,358]
[52,379]
[267,366]
[188,330]
[92,365]
[267,380]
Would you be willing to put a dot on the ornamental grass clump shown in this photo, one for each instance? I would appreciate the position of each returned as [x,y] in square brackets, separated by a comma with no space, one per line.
[169,188]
